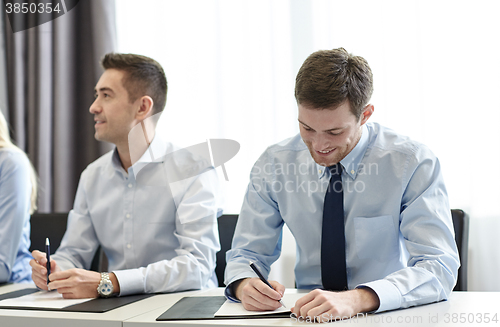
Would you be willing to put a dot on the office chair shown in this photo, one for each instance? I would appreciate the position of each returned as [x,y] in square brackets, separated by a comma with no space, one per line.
[53,226]
[227,224]
[461,226]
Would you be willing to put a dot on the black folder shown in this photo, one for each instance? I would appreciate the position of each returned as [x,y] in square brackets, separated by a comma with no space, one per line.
[205,307]
[98,305]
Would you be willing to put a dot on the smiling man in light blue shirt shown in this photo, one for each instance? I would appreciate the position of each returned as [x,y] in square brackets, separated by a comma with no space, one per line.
[156,224]
[399,242]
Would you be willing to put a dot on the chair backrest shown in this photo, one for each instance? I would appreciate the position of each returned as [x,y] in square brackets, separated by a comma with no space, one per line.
[53,226]
[461,226]
[227,224]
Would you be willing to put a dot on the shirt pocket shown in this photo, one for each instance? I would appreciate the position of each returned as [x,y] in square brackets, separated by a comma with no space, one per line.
[375,238]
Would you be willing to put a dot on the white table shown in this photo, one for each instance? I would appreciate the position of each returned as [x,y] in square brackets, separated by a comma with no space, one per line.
[113,318]
[462,309]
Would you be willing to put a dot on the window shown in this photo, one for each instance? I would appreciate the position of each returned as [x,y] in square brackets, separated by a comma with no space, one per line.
[231,68]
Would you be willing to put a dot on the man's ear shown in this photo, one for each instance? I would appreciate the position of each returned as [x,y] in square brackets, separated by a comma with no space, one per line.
[367,113]
[145,107]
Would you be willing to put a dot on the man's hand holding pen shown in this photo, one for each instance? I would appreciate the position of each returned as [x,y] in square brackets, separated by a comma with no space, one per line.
[39,269]
[72,283]
[255,295]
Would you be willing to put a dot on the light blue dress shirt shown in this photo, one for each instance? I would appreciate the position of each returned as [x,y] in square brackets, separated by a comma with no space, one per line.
[15,202]
[399,233]
[158,236]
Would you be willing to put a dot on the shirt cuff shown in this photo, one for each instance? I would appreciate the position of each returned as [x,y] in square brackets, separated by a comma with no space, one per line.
[229,293]
[389,296]
[131,281]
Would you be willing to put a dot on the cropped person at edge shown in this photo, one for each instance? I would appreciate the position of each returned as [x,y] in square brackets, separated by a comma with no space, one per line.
[18,192]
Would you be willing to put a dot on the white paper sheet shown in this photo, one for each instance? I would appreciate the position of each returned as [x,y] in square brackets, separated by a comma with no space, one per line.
[236,309]
[41,299]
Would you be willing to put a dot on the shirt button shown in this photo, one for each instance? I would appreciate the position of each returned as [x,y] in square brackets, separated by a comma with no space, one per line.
[352,171]
[129,246]
[320,171]
[128,215]
[130,185]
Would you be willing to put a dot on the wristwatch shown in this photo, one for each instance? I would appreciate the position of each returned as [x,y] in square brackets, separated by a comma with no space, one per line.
[105,288]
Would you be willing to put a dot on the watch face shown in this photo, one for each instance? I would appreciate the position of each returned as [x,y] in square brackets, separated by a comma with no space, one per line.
[106,289]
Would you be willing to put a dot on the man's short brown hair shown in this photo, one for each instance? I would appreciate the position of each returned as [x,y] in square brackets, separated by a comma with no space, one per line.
[143,76]
[327,78]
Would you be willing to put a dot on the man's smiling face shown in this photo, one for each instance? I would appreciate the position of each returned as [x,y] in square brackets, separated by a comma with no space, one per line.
[331,134]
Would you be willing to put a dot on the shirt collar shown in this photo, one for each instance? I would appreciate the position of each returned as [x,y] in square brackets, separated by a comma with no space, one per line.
[351,162]
[321,170]
[116,163]
[155,153]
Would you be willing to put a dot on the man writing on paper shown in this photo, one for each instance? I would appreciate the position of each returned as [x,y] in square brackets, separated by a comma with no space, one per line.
[368,207]
[158,236]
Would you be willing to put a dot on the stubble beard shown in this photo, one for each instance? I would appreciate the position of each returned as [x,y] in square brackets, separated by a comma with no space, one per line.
[337,156]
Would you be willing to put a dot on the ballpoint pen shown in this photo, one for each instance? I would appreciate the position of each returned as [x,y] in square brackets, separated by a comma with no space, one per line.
[254,268]
[47,253]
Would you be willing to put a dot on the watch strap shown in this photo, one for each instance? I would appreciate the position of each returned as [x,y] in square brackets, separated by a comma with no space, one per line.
[104,280]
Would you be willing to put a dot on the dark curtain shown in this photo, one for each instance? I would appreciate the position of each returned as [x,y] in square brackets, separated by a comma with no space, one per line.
[51,73]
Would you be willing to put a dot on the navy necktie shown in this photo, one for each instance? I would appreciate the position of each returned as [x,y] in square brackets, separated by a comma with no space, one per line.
[333,266]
